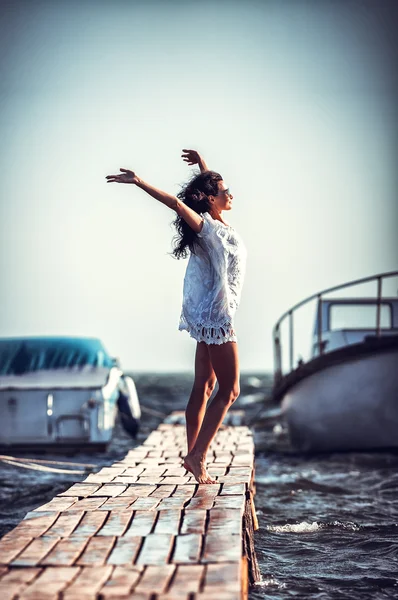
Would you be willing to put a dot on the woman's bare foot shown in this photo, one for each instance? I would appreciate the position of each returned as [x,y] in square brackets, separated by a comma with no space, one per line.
[196,465]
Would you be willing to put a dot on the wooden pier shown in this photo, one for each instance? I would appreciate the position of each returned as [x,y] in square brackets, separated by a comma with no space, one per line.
[143,528]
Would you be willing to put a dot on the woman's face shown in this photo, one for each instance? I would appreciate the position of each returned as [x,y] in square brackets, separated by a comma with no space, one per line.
[223,200]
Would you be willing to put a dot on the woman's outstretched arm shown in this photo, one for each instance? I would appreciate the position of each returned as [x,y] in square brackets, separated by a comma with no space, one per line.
[194,220]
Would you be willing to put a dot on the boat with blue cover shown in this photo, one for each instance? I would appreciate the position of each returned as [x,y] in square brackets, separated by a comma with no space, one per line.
[63,392]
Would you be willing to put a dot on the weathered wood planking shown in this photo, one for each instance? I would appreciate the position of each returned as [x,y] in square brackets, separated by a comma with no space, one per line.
[143,526]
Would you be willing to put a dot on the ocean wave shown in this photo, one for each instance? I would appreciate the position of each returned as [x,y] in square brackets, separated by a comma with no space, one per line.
[269,582]
[305,527]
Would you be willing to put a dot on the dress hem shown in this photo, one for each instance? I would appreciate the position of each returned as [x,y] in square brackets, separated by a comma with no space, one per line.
[210,334]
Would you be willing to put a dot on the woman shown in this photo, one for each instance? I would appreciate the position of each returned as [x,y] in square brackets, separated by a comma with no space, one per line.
[212,287]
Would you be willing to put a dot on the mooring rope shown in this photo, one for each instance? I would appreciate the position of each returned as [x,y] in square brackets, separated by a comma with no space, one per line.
[26,463]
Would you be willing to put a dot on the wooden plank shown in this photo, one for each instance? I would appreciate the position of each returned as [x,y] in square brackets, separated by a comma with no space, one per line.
[152,470]
[133,471]
[207,491]
[222,548]
[21,575]
[225,521]
[151,480]
[126,480]
[236,502]
[218,595]
[194,521]
[58,504]
[147,503]
[185,490]
[15,581]
[82,490]
[200,503]
[223,576]
[116,524]
[156,549]
[187,579]
[89,581]
[155,579]
[154,462]
[216,470]
[175,480]
[242,460]
[111,471]
[125,551]
[232,479]
[11,547]
[111,489]
[163,491]
[95,478]
[239,471]
[37,549]
[168,521]
[96,551]
[141,524]
[121,582]
[65,524]
[230,489]
[65,553]
[35,524]
[175,471]
[118,504]
[173,502]
[175,596]
[90,524]
[50,583]
[88,504]
[187,548]
[138,490]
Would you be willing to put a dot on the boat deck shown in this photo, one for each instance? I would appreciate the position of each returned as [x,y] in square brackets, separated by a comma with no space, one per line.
[143,528]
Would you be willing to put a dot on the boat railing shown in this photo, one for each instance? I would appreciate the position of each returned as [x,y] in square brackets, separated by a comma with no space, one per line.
[320,343]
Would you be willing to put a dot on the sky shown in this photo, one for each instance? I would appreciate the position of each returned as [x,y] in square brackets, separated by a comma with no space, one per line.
[294,102]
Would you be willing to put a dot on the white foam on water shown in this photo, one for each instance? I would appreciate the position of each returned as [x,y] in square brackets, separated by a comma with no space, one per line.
[303,527]
[270,582]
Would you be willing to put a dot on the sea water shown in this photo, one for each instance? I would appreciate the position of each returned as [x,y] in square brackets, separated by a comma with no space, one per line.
[328,522]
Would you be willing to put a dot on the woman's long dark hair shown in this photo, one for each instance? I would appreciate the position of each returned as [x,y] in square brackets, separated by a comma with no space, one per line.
[194,194]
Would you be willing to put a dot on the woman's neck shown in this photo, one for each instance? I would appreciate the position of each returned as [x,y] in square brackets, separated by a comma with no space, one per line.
[215,214]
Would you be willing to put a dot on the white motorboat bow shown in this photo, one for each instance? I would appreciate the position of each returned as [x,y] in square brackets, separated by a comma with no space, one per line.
[345,396]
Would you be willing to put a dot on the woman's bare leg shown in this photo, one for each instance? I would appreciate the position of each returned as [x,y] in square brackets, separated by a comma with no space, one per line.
[225,361]
[205,380]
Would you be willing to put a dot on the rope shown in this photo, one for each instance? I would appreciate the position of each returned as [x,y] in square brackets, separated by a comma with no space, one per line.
[26,463]
[41,460]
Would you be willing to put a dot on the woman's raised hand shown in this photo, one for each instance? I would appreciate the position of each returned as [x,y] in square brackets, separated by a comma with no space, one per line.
[125,177]
[192,157]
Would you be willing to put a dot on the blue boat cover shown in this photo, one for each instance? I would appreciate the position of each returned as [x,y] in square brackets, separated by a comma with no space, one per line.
[24,355]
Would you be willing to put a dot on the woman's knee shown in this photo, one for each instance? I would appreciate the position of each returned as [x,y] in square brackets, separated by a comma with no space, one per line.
[205,386]
[229,394]
[209,387]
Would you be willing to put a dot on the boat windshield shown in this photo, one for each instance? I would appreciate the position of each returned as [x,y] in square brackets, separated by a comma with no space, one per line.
[24,355]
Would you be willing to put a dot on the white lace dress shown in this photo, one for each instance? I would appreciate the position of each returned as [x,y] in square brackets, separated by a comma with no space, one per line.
[213,283]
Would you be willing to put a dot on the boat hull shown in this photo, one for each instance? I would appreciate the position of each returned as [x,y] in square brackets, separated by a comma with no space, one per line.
[59,408]
[346,406]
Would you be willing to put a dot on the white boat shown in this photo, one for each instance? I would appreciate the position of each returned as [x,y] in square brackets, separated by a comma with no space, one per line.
[345,396]
[61,391]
